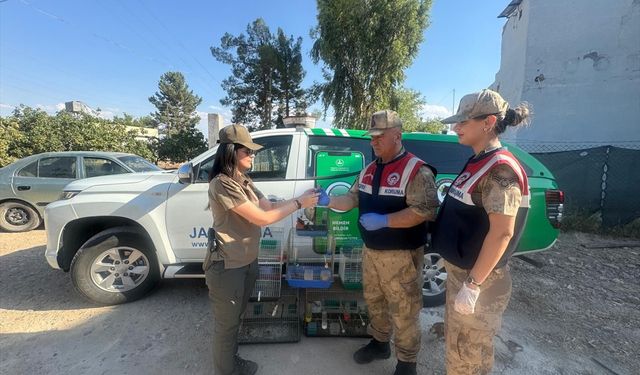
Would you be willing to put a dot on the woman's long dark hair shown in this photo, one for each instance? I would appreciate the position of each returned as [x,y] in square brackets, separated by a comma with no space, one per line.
[225,161]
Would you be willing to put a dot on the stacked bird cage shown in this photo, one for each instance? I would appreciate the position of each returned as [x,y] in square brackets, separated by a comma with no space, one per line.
[309,261]
[274,321]
[270,261]
[335,312]
[350,263]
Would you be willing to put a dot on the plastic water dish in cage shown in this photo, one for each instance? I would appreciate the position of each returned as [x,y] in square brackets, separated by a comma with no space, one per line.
[325,274]
[308,273]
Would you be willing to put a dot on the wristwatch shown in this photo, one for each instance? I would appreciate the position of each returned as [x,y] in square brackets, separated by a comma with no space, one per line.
[471,280]
[298,203]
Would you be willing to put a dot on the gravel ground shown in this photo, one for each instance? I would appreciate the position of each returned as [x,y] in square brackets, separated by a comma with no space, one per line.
[574,310]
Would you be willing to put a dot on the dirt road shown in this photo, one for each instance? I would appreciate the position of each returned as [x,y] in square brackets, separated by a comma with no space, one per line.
[574,311]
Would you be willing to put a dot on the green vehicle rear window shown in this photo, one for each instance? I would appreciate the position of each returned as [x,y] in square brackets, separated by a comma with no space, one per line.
[446,157]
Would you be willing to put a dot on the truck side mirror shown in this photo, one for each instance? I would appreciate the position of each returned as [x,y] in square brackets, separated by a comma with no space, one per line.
[185,174]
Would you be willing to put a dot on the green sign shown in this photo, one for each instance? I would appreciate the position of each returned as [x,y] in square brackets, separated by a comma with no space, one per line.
[343,226]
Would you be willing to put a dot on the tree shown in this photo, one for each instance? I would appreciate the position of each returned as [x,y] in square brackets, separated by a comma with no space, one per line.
[182,145]
[10,136]
[365,45]
[176,104]
[31,131]
[409,105]
[289,75]
[266,75]
[142,122]
[176,111]
[434,126]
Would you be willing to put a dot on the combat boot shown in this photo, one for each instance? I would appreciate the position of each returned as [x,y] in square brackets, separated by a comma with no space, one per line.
[373,350]
[244,366]
[405,368]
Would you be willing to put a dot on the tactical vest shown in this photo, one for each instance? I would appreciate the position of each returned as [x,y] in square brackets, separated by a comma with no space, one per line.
[382,190]
[461,226]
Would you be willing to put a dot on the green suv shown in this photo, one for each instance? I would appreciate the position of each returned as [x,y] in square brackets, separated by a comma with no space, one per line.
[449,157]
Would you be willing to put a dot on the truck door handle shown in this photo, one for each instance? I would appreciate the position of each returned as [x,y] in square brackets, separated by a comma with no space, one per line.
[24,188]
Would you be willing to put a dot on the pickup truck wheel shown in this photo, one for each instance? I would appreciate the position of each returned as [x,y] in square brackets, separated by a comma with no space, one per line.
[435,277]
[18,217]
[115,266]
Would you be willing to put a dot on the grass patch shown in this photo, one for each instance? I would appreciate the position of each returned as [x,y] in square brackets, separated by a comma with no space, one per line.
[592,223]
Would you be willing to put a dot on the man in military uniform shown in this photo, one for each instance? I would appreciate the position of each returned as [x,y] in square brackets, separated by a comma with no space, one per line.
[397,196]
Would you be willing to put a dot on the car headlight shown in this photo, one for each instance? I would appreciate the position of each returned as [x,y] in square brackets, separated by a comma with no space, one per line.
[69,194]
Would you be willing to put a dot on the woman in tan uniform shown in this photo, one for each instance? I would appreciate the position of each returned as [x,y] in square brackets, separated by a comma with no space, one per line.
[239,210]
[478,229]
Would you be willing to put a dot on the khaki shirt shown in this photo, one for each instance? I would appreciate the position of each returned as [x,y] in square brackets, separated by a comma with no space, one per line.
[422,194]
[238,239]
[499,192]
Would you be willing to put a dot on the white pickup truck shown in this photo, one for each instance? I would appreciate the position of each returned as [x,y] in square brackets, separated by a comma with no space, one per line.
[119,235]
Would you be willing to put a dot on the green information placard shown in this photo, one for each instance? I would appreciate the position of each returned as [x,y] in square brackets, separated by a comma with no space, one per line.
[343,226]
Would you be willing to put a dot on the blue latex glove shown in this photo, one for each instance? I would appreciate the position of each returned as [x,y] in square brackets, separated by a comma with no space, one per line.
[323,199]
[373,222]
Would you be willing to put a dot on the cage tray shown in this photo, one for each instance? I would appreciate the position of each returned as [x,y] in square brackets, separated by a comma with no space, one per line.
[296,277]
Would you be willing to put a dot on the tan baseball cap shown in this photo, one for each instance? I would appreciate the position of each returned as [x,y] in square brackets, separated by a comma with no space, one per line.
[237,134]
[383,120]
[485,102]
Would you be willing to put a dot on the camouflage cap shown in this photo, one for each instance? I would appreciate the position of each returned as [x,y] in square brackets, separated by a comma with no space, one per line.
[485,102]
[382,120]
[237,134]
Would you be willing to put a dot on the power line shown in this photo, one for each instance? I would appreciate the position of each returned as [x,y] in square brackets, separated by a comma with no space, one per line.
[41,61]
[135,32]
[51,86]
[65,94]
[96,35]
[163,43]
[57,99]
[179,43]
[118,44]
[163,46]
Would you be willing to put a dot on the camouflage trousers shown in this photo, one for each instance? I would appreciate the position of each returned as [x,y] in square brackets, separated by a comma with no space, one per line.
[393,292]
[469,338]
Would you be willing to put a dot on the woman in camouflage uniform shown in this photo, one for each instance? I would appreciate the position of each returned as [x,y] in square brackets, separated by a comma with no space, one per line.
[478,229]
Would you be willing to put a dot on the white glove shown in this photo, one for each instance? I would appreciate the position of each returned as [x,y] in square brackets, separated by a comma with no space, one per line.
[465,303]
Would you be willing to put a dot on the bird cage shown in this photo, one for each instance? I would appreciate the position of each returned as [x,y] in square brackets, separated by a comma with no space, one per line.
[272,321]
[269,281]
[335,312]
[272,244]
[350,263]
[270,260]
[309,261]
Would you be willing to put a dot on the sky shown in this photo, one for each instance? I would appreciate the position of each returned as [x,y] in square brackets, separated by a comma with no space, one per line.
[111,54]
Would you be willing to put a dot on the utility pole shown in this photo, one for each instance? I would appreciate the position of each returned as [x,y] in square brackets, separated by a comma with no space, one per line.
[453,102]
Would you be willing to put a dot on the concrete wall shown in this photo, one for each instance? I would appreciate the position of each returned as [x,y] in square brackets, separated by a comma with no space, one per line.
[214,123]
[578,63]
[144,134]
